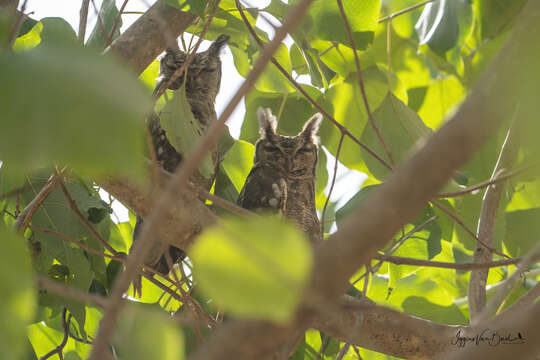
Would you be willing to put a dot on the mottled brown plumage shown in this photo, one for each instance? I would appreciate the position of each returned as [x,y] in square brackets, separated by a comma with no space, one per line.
[202,79]
[283,173]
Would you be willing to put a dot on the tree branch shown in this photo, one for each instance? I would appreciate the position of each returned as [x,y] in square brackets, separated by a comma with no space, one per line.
[150,35]
[486,226]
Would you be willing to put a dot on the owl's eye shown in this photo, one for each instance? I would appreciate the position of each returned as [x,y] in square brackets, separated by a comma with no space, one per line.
[305,149]
[270,148]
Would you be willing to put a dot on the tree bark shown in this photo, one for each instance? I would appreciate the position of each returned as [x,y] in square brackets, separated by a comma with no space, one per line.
[156,30]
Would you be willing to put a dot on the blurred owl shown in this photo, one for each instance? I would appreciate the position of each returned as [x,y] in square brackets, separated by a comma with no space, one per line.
[202,86]
[283,173]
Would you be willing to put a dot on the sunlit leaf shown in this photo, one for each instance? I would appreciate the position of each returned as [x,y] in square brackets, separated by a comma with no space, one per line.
[109,18]
[419,306]
[238,163]
[325,21]
[256,268]
[182,129]
[96,128]
[18,300]
[134,326]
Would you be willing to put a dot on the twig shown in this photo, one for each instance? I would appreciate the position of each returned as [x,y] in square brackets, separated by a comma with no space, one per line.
[361,82]
[498,297]
[332,184]
[406,10]
[398,260]
[83,18]
[17,25]
[116,21]
[84,220]
[58,350]
[466,228]
[341,128]
[180,179]
[15,192]
[499,178]
[75,242]
[99,22]
[26,215]
[66,291]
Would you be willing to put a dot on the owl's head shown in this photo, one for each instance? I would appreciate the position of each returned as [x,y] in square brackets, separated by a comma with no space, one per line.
[294,156]
[203,73]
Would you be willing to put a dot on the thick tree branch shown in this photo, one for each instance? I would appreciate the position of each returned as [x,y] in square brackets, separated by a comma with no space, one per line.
[157,29]
[181,223]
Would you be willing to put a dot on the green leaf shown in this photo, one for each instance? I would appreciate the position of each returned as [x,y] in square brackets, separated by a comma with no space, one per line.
[224,188]
[183,130]
[30,39]
[419,306]
[57,31]
[324,21]
[238,163]
[133,342]
[18,300]
[438,25]
[194,6]
[298,62]
[86,111]
[441,98]
[272,80]
[521,231]
[353,203]
[255,268]
[497,16]
[400,128]
[106,20]
[349,110]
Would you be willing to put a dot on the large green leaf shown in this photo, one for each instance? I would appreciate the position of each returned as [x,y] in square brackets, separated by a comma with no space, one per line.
[438,25]
[254,268]
[183,130]
[18,300]
[419,306]
[522,228]
[272,80]
[135,325]
[82,109]
[324,20]
[400,128]
[102,30]
[496,16]
[349,110]
[238,163]
[441,98]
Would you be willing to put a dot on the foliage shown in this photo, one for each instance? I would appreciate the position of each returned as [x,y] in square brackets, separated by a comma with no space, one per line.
[68,109]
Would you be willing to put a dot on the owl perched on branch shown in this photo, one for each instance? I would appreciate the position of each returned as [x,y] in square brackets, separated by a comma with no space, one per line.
[202,80]
[283,173]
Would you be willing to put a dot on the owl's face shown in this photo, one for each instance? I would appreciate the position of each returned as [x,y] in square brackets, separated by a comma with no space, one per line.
[294,156]
[203,74]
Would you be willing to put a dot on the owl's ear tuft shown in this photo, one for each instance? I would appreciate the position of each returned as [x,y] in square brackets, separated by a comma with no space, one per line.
[267,123]
[218,44]
[311,127]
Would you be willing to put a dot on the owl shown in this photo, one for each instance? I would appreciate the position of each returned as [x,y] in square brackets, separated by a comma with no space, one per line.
[283,174]
[202,86]
[203,78]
